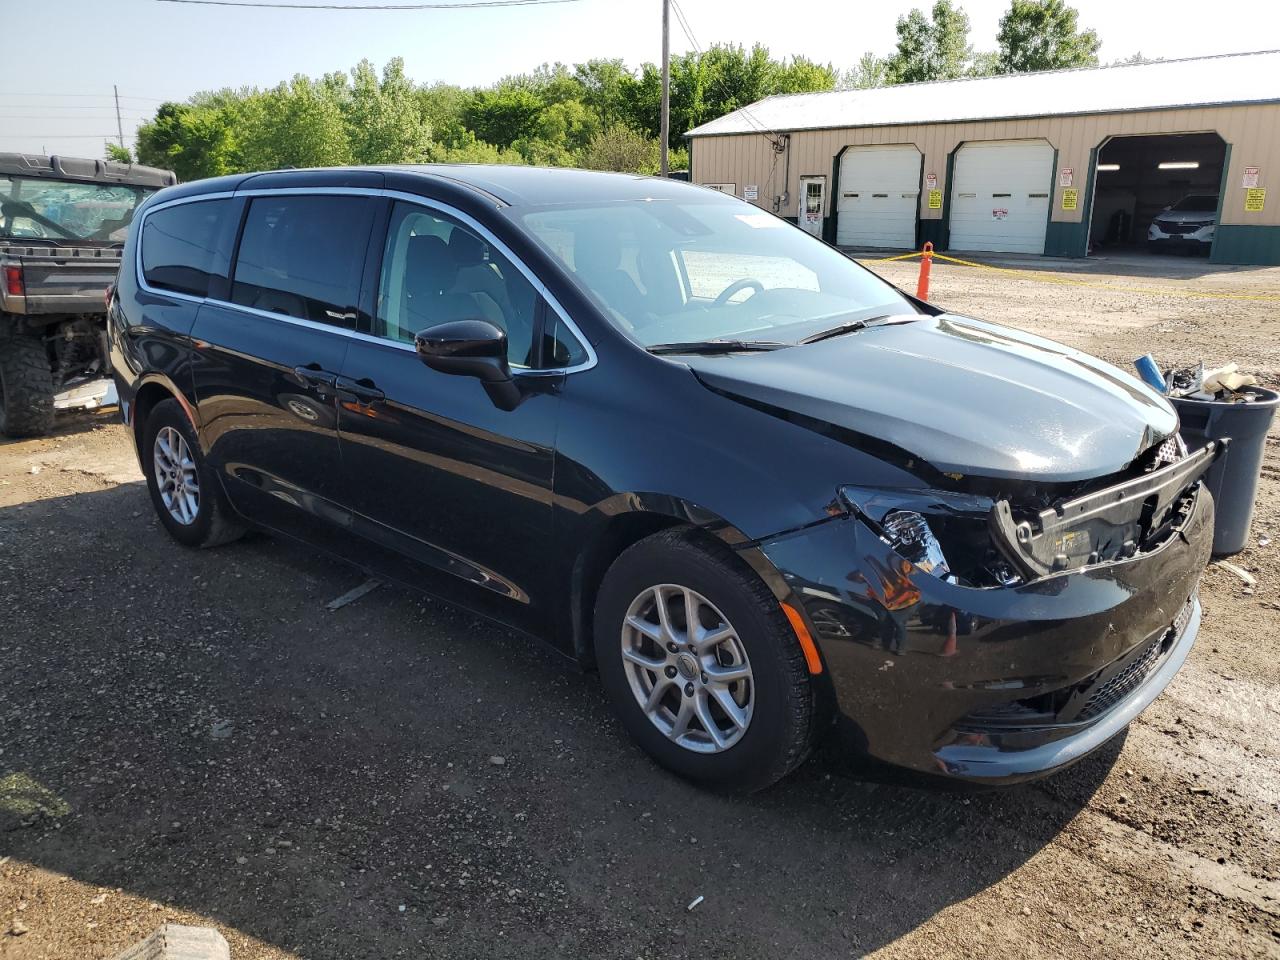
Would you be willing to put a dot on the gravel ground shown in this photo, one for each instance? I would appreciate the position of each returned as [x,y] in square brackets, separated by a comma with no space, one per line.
[193,737]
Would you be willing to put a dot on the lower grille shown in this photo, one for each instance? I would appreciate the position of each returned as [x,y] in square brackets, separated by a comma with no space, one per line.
[1092,697]
[1107,693]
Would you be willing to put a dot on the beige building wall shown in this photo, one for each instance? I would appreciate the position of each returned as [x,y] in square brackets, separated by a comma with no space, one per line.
[1253,133]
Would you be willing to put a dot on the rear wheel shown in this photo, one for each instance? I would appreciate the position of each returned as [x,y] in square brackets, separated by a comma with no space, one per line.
[701,664]
[26,384]
[183,489]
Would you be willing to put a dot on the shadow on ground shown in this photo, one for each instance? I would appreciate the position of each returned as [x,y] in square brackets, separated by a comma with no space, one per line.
[194,727]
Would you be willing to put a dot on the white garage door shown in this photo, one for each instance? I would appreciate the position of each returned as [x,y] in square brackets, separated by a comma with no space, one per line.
[1000,196]
[879,197]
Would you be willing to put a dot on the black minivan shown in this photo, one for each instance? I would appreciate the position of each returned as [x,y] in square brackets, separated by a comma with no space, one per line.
[760,490]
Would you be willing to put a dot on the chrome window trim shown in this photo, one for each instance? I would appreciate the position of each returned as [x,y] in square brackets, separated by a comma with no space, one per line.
[413,198]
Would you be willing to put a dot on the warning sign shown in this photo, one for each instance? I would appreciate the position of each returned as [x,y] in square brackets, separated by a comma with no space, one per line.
[1000,213]
[1065,176]
[1250,179]
[931,181]
[751,192]
[935,199]
[1255,199]
[1070,199]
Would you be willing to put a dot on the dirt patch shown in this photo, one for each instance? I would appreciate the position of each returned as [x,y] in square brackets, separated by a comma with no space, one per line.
[191,736]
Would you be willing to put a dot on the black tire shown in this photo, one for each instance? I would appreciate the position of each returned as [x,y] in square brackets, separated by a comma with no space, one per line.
[214,522]
[782,727]
[26,384]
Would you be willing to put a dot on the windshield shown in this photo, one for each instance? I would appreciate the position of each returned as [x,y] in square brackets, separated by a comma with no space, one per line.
[37,208]
[697,270]
[1197,204]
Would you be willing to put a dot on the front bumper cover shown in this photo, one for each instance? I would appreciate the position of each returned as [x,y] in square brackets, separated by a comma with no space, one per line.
[909,680]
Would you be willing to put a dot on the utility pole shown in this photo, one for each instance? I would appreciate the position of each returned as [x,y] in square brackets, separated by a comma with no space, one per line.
[119,125]
[665,125]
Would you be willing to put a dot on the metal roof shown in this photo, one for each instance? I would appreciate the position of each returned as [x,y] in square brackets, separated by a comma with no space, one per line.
[1199,81]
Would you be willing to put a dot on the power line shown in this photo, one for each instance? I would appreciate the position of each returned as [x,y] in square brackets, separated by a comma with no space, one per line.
[57,136]
[98,96]
[28,116]
[752,121]
[478,5]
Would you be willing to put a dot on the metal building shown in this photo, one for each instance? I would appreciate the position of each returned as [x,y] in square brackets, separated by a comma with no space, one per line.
[1062,163]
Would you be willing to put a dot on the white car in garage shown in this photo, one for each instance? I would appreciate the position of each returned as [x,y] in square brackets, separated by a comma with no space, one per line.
[1189,223]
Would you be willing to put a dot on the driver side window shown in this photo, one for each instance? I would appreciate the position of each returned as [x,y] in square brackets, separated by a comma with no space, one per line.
[435,270]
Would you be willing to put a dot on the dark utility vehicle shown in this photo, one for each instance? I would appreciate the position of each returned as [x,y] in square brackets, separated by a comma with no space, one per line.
[754,485]
[63,223]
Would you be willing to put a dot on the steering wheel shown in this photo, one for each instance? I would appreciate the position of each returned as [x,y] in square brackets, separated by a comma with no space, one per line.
[737,287]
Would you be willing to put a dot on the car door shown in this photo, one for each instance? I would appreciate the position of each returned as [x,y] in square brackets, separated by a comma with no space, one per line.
[267,358]
[437,472]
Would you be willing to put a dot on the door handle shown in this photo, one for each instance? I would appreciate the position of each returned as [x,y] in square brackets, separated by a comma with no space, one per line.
[313,375]
[363,391]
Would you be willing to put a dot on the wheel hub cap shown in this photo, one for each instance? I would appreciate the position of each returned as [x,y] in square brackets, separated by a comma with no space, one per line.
[176,476]
[687,668]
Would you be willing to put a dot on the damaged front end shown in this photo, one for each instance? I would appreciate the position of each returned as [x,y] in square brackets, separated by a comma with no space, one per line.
[996,631]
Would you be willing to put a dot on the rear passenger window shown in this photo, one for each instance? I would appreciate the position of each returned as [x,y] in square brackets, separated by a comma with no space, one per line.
[187,246]
[302,256]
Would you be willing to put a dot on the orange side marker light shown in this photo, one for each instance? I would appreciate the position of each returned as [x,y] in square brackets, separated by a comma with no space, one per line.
[811,657]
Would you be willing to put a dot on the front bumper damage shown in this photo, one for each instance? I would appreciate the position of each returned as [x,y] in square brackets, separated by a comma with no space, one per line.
[1006,683]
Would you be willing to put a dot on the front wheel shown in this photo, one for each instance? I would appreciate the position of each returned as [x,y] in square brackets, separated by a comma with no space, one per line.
[701,665]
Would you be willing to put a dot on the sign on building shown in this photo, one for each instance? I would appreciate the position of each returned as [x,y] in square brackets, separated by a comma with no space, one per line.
[1255,199]
[935,199]
[1065,176]
[1070,199]
[1250,179]
[751,191]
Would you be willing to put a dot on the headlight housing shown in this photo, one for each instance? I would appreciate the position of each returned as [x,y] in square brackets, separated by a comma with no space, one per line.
[939,532]
[908,533]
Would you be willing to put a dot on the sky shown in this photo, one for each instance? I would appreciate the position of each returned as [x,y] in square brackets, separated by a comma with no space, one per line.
[56,95]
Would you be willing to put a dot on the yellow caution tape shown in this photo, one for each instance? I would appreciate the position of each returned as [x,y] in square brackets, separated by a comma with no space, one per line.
[1072,281]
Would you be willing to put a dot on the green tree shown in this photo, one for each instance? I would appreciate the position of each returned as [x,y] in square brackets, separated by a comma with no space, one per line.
[871,71]
[1044,35]
[383,122]
[985,63]
[194,142]
[623,149]
[505,114]
[441,108]
[802,75]
[602,84]
[932,47]
[118,153]
[295,124]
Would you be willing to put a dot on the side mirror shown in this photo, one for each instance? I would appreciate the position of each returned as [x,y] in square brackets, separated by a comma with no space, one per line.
[471,348]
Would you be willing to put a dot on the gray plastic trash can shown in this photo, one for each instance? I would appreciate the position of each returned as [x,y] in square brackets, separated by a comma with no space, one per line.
[1233,480]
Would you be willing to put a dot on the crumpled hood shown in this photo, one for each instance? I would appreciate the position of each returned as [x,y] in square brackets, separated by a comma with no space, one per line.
[965,396]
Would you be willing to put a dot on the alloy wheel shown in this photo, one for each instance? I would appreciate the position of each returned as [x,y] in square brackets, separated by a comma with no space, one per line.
[687,668]
[176,476]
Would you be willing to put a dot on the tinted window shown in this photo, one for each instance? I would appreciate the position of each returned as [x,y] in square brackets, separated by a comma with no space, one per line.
[436,269]
[185,247]
[302,256]
[1197,203]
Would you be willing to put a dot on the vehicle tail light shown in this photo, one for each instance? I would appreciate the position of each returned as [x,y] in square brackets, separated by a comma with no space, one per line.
[13,283]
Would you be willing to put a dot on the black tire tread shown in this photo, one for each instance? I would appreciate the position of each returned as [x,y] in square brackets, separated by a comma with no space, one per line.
[801,696]
[28,384]
[222,525]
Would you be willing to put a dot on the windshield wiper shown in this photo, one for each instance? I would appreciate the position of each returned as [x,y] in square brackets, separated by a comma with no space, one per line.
[853,326]
[716,346]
